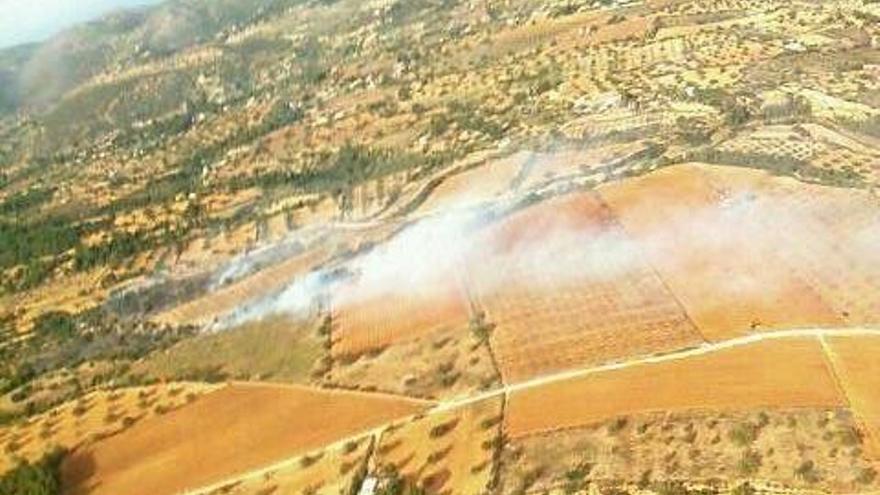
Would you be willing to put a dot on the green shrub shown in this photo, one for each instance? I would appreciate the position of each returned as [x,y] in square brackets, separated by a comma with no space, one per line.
[743,434]
[750,462]
[40,478]
[58,325]
[807,472]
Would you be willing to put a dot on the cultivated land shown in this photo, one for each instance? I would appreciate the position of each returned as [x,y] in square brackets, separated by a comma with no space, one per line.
[766,374]
[449,452]
[484,247]
[444,364]
[91,418]
[804,448]
[371,319]
[855,362]
[565,288]
[230,431]
[329,471]
[706,245]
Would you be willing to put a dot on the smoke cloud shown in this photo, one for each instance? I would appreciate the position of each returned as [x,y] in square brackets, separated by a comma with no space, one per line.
[743,231]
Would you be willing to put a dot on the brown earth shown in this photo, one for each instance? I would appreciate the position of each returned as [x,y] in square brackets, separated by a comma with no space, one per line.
[780,373]
[857,362]
[228,432]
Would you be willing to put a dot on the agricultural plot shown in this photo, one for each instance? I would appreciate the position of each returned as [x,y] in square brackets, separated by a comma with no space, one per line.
[762,375]
[565,287]
[374,321]
[330,471]
[828,234]
[705,231]
[805,144]
[442,364]
[803,449]
[778,141]
[319,211]
[450,452]
[95,416]
[229,432]
[831,241]
[276,227]
[274,348]
[369,198]
[858,368]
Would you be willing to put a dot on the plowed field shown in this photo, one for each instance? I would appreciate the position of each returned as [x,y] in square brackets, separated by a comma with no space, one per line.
[228,432]
[857,361]
[783,373]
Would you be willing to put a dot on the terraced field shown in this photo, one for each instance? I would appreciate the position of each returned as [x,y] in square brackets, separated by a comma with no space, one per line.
[443,247]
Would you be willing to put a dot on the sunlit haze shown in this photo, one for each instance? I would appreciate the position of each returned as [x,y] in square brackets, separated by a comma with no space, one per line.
[23,21]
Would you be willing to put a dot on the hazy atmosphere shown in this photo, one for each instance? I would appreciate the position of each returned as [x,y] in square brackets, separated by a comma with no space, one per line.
[23,21]
[439,247]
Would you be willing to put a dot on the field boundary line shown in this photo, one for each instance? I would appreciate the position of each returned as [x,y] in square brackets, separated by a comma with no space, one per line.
[334,390]
[507,390]
[832,360]
[704,349]
[493,487]
[648,262]
[290,461]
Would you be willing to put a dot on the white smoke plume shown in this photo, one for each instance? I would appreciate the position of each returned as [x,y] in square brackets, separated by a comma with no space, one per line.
[747,228]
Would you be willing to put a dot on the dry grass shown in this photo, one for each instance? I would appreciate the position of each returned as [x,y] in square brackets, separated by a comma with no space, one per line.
[857,362]
[440,365]
[446,453]
[275,348]
[204,310]
[765,447]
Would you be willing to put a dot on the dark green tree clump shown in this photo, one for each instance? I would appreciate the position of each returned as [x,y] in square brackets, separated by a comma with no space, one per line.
[40,478]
